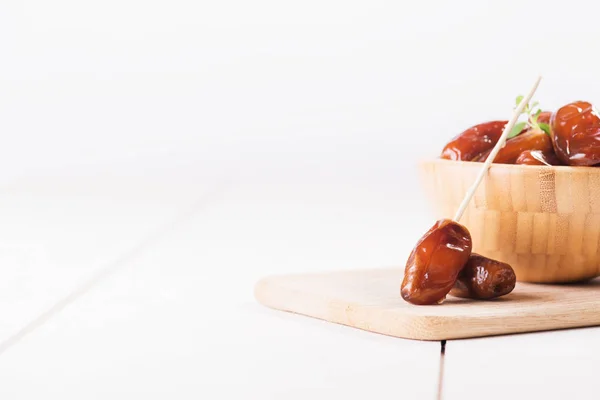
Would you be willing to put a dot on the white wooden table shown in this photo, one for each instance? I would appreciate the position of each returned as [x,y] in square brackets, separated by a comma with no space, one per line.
[127,288]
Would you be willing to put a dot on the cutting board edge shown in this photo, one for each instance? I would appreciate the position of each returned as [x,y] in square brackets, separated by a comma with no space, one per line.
[272,292]
[267,292]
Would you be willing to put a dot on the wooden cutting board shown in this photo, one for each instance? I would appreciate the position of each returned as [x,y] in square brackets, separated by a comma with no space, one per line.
[370,300]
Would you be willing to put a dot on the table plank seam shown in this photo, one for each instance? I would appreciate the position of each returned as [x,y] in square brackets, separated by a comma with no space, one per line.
[118,263]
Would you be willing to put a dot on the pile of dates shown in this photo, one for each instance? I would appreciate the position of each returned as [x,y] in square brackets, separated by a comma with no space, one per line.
[570,136]
[442,263]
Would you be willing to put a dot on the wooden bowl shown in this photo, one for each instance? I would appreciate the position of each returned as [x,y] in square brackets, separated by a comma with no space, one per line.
[544,221]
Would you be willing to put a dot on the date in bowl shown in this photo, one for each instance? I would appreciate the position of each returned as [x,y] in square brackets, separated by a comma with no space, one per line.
[542,220]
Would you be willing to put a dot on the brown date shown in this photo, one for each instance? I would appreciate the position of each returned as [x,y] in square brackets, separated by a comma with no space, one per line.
[435,262]
[484,278]
[533,139]
[576,133]
[538,157]
[544,117]
[474,141]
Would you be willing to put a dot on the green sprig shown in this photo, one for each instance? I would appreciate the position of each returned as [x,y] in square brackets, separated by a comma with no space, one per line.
[532,112]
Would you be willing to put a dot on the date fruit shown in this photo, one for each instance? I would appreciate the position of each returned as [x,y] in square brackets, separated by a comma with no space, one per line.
[483,278]
[533,139]
[544,117]
[435,262]
[538,157]
[576,133]
[474,141]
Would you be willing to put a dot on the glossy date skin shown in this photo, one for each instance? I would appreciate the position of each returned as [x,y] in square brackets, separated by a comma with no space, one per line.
[435,262]
[544,117]
[531,140]
[474,141]
[576,133]
[483,278]
[538,157]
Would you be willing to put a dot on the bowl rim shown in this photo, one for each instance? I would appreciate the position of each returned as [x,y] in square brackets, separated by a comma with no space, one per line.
[513,167]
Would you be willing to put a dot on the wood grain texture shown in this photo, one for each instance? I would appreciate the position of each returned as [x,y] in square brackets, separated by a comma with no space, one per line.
[370,300]
[543,221]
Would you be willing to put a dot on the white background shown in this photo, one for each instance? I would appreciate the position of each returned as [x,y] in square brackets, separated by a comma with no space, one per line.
[264,89]
[119,115]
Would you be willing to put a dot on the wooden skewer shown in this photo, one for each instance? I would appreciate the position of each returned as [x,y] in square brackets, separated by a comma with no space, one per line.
[495,150]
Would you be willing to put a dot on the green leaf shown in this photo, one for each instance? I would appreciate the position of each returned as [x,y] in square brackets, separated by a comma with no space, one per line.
[534,117]
[534,105]
[516,129]
[518,100]
[544,127]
